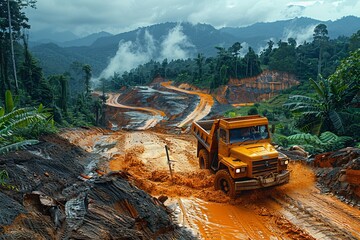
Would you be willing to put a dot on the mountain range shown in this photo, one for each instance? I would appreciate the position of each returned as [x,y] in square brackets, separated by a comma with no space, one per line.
[167,40]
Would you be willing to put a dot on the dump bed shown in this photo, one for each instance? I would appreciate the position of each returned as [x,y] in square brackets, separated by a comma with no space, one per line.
[205,132]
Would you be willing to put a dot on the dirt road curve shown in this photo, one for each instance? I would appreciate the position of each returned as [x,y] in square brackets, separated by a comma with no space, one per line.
[157,115]
[201,110]
[294,211]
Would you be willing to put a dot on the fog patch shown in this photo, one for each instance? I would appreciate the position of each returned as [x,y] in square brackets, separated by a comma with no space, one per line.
[127,56]
[245,49]
[176,45]
[132,54]
[300,35]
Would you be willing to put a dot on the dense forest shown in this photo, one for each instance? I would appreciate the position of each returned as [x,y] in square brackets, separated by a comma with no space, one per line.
[327,100]
[307,60]
[31,103]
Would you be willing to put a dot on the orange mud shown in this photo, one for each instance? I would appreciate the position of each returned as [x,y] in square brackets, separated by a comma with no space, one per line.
[296,210]
[201,110]
[242,104]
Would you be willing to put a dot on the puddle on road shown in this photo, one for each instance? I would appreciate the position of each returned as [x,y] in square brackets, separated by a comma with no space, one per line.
[211,220]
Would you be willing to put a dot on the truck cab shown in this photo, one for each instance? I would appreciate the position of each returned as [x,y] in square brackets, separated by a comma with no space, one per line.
[240,152]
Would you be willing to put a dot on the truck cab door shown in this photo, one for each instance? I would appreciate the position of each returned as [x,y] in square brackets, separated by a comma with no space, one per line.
[223,142]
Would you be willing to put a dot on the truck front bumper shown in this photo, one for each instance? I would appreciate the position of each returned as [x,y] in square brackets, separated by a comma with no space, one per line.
[274,180]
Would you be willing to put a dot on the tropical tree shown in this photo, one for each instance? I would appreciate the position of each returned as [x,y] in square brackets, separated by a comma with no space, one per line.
[32,79]
[235,50]
[355,41]
[87,76]
[348,75]
[324,112]
[199,62]
[12,21]
[252,63]
[320,38]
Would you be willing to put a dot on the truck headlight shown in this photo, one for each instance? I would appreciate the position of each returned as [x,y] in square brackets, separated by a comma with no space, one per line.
[284,162]
[240,170]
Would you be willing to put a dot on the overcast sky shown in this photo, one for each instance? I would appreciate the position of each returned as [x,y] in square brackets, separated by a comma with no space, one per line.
[83,17]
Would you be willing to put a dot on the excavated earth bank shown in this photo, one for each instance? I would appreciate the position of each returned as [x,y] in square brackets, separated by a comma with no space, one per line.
[54,200]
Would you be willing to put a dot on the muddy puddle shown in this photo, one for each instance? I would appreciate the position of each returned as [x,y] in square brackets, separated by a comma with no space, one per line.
[211,220]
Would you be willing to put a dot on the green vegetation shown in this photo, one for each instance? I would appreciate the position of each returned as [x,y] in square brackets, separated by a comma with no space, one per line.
[327,141]
[20,127]
[203,72]
[4,178]
[323,119]
[71,104]
[322,108]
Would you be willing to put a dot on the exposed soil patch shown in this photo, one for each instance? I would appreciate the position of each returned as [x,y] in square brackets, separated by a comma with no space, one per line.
[297,210]
[55,201]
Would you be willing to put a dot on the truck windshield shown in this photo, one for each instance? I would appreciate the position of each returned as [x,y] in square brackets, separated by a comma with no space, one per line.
[249,133]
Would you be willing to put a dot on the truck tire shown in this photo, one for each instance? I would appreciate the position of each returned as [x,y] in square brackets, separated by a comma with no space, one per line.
[225,183]
[204,162]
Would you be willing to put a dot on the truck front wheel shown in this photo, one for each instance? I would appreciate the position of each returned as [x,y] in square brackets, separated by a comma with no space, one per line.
[225,183]
[204,162]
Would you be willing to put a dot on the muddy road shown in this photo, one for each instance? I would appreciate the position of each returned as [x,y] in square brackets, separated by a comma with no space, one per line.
[202,109]
[294,211]
[154,118]
[297,210]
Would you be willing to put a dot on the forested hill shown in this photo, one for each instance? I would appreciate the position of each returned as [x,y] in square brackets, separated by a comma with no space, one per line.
[193,39]
[298,28]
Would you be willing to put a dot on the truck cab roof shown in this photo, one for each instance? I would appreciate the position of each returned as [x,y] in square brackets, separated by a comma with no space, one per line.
[245,121]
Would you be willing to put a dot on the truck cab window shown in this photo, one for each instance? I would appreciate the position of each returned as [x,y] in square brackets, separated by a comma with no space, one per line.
[222,135]
[264,133]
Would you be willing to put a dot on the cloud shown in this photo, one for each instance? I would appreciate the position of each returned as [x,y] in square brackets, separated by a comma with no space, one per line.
[132,54]
[300,35]
[87,16]
[176,45]
[126,58]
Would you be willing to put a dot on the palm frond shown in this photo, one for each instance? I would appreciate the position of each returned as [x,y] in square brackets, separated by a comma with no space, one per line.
[22,120]
[15,146]
[301,98]
[14,114]
[318,88]
[306,138]
[336,121]
[328,137]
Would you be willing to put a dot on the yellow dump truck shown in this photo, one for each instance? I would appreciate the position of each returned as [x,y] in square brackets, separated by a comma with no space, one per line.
[239,151]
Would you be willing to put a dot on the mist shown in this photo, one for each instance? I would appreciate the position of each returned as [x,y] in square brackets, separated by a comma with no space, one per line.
[176,45]
[129,55]
[300,35]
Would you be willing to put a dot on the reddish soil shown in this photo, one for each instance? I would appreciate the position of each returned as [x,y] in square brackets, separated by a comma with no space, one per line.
[297,210]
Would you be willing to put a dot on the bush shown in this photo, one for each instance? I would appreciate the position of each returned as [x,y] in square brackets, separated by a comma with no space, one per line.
[253,111]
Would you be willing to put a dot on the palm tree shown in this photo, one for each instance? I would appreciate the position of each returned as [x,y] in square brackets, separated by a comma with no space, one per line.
[325,112]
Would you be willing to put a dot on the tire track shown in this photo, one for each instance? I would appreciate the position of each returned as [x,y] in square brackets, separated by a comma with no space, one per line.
[311,218]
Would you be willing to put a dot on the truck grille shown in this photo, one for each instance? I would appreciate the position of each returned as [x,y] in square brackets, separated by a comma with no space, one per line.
[264,166]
